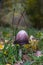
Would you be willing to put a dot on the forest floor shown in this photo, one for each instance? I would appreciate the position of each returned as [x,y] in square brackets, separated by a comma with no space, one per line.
[32,54]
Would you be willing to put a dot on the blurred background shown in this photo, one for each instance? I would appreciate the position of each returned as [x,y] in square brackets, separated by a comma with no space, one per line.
[29,13]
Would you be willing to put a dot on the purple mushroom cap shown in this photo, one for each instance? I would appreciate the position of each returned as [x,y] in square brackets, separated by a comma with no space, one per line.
[21,37]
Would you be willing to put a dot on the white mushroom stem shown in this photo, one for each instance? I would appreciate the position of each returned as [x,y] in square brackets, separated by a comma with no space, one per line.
[20,53]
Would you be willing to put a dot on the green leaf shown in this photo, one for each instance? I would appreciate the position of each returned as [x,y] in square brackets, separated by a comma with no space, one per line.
[27,63]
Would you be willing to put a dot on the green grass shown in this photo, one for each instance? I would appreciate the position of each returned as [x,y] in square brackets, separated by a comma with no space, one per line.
[9,53]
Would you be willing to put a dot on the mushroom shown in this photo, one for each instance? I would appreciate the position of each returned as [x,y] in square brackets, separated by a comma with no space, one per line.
[21,39]
[38,53]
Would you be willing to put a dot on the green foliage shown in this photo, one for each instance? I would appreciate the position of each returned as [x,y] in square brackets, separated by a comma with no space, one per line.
[10,53]
[27,63]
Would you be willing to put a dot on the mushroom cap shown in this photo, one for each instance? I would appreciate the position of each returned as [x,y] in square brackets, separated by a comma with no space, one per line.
[22,37]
